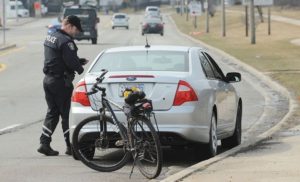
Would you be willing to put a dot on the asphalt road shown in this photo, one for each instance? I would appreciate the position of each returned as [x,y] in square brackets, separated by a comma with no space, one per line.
[22,102]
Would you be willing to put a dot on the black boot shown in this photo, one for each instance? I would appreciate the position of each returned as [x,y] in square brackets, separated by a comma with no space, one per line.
[47,150]
[68,151]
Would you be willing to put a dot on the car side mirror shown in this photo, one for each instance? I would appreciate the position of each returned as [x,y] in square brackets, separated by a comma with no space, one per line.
[233,77]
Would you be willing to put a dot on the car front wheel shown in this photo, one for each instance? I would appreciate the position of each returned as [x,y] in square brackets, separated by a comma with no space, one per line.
[94,41]
[236,138]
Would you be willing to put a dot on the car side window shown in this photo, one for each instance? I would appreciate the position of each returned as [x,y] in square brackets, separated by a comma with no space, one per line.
[216,69]
[207,69]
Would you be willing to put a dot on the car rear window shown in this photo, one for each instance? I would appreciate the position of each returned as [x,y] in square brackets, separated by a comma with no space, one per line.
[143,61]
[152,9]
[86,16]
[119,16]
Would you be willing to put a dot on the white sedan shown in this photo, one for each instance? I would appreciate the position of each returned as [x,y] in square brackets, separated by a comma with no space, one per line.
[119,20]
[194,102]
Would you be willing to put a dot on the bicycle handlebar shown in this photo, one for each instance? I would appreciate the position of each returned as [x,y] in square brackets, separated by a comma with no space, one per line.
[95,88]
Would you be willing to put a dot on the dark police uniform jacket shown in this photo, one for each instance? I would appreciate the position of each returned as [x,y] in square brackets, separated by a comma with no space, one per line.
[61,55]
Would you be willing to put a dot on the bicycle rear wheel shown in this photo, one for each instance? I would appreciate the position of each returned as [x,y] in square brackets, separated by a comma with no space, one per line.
[109,152]
[148,153]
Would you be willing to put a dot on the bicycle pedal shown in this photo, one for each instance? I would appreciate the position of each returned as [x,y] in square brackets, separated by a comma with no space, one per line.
[119,143]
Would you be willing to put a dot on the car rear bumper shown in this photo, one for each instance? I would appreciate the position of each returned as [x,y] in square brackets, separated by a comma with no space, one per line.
[86,34]
[153,30]
[120,25]
[176,126]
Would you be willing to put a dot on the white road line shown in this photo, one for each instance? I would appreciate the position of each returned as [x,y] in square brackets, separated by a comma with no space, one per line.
[9,127]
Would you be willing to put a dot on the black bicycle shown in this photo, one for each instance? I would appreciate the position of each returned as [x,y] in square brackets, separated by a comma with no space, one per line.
[105,144]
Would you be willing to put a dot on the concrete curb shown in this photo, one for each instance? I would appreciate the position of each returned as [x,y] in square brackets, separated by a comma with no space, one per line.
[292,106]
[13,23]
[7,46]
[17,127]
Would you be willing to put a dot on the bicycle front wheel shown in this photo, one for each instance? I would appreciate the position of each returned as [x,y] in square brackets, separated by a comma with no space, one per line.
[148,153]
[108,151]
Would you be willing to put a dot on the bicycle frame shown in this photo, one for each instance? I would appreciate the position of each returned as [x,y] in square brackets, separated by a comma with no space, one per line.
[106,103]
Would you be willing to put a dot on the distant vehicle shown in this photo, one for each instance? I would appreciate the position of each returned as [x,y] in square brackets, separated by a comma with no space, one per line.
[54,6]
[120,20]
[44,9]
[153,25]
[89,20]
[193,100]
[152,11]
[12,7]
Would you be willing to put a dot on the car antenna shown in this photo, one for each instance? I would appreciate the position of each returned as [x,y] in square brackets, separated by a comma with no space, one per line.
[147,45]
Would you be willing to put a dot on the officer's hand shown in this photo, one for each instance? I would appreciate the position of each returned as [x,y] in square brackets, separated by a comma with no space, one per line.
[83,61]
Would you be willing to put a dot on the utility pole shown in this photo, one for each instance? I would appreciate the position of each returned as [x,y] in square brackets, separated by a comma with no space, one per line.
[223,19]
[246,20]
[187,10]
[207,16]
[252,20]
[181,7]
[16,7]
[269,20]
[4,22]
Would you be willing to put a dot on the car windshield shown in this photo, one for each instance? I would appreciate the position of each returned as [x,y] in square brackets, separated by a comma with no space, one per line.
[143,61]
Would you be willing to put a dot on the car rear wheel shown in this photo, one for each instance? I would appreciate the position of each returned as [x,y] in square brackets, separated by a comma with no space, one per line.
[113,27]
[212,146]
[236,138]
[205,151]
[127,27]
[94,41]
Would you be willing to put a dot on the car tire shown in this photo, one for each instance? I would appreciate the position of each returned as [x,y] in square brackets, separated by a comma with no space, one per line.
[142,33]
[162,34]
[127,27]
[113,27]
[236,138]
[94,41]
[212,146]
[206,151]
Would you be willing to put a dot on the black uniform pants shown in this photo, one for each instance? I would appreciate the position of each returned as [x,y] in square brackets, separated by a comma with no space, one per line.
[58,96]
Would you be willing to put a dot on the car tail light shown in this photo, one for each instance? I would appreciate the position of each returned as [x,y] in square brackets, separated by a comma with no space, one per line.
[184,93]
[145,25]
[160,25]
[79,94]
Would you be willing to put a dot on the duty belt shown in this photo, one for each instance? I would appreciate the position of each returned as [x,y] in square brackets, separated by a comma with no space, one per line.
[55,75]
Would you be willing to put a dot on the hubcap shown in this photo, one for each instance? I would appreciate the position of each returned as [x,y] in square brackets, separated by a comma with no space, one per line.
[214,134]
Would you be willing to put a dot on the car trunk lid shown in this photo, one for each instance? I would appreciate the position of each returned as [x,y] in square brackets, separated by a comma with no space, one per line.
[160,88]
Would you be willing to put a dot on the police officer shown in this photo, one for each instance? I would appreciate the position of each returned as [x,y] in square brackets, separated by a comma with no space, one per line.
[61,63]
